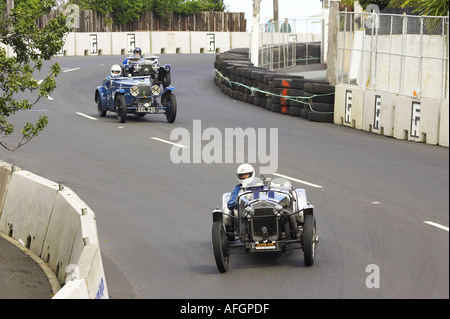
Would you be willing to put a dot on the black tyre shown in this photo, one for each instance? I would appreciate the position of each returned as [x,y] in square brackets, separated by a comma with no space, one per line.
[220,246]
[320,98]
[167,80]
[101,111]
[170,101]
[304,113]
[121,108]
[321,117]
[309,240]
[295,111]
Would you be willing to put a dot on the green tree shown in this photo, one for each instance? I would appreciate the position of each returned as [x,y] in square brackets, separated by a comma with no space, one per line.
[31,47]
[125,11]
[380,3]
[429,7]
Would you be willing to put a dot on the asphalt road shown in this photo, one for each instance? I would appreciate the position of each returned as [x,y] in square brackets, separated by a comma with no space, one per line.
[154,216]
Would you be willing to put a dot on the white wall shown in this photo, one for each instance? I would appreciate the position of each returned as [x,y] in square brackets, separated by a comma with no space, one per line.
[155,42]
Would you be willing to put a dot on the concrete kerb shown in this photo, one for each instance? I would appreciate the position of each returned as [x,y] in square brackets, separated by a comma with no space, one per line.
[52,222]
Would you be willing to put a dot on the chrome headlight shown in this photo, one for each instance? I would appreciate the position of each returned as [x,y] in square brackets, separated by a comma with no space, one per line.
[155,67]
[156,90]
[134,90]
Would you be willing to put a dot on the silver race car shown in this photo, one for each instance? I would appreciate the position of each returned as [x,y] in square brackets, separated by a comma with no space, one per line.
[270,216]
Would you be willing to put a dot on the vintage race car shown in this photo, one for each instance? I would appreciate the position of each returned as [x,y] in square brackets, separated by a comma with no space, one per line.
[271,216]
[142,88]
[148,65]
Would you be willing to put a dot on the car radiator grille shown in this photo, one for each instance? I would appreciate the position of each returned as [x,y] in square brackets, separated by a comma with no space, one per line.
[264,217]
[145,90]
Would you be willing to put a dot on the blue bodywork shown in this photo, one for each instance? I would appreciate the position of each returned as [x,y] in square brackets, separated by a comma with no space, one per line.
[142,95]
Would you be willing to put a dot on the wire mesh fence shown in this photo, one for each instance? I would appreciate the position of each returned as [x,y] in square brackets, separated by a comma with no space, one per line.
[400,54]
[288,43]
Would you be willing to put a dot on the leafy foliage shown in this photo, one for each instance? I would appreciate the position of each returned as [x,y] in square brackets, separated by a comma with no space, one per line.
[124,11]
[31,47]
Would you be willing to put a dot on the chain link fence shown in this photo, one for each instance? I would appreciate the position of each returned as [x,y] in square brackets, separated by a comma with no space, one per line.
[400,54]
[288,43]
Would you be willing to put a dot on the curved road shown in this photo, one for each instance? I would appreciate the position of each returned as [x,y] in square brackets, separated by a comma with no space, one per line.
[154,216]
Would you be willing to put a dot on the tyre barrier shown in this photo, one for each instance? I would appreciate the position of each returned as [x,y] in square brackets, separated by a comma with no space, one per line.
[305,53]
[292,95]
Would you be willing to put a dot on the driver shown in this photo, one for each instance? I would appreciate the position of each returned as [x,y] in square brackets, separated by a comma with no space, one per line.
[245,174]
[127,68]
[136,51]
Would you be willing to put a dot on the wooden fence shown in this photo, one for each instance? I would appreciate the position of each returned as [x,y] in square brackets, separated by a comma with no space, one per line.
[92,21]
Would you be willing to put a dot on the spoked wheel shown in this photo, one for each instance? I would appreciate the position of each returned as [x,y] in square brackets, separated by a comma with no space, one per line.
[121,108]
[309,240]
[220,246]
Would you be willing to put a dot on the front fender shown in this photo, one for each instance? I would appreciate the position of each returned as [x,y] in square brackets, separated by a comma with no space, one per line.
[100,93]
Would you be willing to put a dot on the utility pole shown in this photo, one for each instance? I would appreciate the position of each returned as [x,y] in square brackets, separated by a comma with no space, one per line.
[9,7]
[275,14]
[254,42]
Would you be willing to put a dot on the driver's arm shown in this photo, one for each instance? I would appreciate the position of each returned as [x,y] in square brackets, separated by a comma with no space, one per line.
[232,202]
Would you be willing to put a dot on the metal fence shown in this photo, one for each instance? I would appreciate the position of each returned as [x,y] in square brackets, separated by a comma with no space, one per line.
[288,43]
[401,54]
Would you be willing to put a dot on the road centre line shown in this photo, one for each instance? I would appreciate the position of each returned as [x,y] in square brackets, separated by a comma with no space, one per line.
[168,142]
[86,116]
[276,174]
[436,225]
[73,69]
[297,180]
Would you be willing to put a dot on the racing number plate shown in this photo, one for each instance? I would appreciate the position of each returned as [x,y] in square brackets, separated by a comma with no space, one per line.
[265,246]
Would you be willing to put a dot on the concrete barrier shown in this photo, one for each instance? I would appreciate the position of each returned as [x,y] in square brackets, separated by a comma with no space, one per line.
[444,124]
[378,114]
[6,170]
[417,119]
[349,106]
[402,117]
[56,225]
[155,42]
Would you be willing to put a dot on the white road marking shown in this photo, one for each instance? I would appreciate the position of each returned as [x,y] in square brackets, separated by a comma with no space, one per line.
[87,116]
[168,142]
[297,180]
[73,69]
[436,225]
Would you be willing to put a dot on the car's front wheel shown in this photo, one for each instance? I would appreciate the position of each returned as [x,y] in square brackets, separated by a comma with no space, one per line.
[101,111]
[220,246]
[169,100]
[121,108]
[309,240]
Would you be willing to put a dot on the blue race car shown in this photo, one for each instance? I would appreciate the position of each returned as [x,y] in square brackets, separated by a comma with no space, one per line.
[136,90]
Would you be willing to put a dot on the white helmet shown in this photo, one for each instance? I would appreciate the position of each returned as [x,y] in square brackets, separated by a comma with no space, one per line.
[116,70]
[246,174]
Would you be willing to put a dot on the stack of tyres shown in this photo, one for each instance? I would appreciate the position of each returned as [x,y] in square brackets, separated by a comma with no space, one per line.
[307,53]
[286,94]
[286,89]
[321,101]
[226,63]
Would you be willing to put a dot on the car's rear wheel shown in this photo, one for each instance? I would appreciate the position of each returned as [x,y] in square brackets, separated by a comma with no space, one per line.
[167,80]
[309,240]
[220,246]
[121,108]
